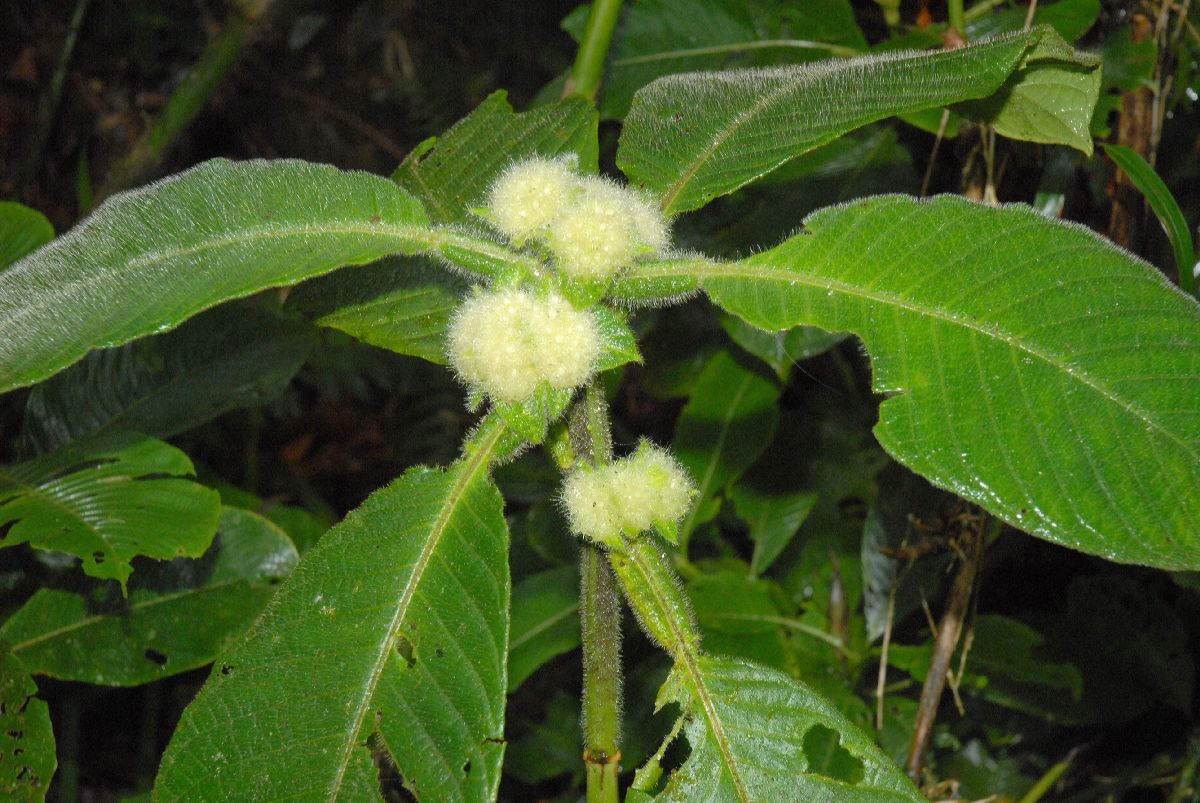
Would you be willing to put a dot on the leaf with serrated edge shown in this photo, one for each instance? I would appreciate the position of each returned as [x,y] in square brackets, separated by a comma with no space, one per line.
[107,500]
[382,618]
[692,137]
[750,724]
[1035,368]
[768,722]
[453,172]
[177,617]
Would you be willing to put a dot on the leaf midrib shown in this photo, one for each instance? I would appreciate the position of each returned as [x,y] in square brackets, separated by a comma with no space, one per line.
[690,660]
[431,238]
[476,461]
[702,270]
[746,117]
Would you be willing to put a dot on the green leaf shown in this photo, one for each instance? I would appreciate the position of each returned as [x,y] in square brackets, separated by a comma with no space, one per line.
[403,305]
[663,37]
[236,356]
[176,618]
[1165,207]
[452,173]
[106,500]
[27,759]
[1052,380]
[1049,98]
[148,259]
[739,617]
[780,350]
[690,138]
[724,427]
[773,518]
[21,230]
[1071,18]
[394,627]
[545,621]
[759,735]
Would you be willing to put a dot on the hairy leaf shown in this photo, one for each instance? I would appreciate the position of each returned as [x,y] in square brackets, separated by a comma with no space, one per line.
[21,230]
[176,618]
[692,137]
[1034,368]
[545,621]
[452,173]
[27,758]
[394,627]
[107,500]
[148,259]
[230,357]
[755,733]
[1049,98]
[759,735]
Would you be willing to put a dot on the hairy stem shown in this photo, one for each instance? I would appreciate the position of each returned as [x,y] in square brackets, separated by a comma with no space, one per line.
[600,614]
[593,50]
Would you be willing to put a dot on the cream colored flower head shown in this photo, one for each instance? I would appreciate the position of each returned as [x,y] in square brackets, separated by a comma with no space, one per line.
[507,342]
[530,194]
[627,497]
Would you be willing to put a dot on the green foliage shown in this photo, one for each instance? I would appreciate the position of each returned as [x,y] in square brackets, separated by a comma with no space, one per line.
[1053,385]
[1015,362]
[108,500]
[175,618]
[27,759]
[694,137]
[362,645]
[545,621]
[452,173]
[1165,208]
[21,230]
[235,356]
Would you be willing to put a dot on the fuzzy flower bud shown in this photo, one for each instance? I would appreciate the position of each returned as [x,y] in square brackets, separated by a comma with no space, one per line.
[629,496]
[596,235]
[529,195]
[508,342]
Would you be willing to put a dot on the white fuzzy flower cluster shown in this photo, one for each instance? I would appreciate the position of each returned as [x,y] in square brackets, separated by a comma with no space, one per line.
[508,342]
[593,226]
[629,496]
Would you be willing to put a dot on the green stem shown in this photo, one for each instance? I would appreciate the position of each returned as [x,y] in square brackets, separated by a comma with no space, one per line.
[600,614]
[593,50]
[1047,781]
[957,19]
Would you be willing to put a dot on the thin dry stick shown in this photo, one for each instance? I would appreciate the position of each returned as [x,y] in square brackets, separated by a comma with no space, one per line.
[1029,14]
[881,678]
[937,144]
[948,633]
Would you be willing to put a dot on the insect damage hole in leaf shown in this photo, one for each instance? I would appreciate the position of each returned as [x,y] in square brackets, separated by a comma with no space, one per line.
[826,756]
